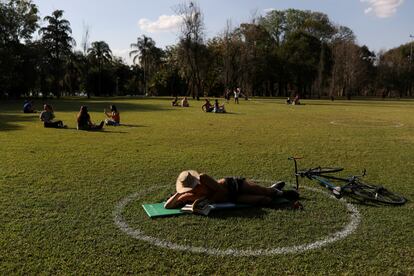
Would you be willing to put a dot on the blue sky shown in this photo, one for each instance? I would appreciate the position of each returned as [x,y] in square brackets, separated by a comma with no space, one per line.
[379,24]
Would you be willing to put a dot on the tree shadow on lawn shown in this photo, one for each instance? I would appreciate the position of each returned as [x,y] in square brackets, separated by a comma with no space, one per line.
[9,122]
[73,105]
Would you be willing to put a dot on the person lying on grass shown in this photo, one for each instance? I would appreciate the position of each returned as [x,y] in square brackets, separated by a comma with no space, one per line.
[192,186]
[47,116]
[114,118]
[84,120]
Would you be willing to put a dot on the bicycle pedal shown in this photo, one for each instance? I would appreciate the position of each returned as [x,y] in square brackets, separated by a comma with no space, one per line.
[337,192]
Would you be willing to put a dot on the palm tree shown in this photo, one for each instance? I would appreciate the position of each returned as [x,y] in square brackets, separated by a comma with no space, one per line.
[142,51]
[56,36]
[75,64]
[100,52]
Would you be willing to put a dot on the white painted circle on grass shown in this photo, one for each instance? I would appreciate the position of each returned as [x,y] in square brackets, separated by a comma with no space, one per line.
[367,124]
[136,233]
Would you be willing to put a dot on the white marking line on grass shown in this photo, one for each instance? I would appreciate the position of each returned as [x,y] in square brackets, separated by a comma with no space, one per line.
[139,235]
[341,123]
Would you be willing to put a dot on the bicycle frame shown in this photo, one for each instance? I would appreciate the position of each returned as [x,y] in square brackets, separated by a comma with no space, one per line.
[323,179]
[352,186]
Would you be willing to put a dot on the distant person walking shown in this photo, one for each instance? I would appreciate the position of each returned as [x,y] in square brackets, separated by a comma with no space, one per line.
[227,95]
[237,95]
[47,116]
[84,120]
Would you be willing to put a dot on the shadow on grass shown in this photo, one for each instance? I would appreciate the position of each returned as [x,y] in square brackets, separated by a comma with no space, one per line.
[98,105]
[131,125]
[227,113]
[248,212]
[94,105]
[364,202]
[356,201]
[253,212]
[105,131]
[114,132]
[10,122]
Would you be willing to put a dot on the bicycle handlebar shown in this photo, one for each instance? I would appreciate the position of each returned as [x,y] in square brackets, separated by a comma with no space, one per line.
[294,158]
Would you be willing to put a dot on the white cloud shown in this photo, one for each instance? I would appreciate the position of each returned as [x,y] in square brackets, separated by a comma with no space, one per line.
[164,23]
[268,10]
[383,8]
[124,54]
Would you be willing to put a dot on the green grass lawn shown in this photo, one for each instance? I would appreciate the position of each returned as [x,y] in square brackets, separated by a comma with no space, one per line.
[59,187]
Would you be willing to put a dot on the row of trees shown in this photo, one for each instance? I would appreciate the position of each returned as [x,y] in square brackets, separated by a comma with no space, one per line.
[279,54]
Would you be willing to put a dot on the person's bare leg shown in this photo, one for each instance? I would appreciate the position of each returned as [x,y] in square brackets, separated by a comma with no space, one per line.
[252,188]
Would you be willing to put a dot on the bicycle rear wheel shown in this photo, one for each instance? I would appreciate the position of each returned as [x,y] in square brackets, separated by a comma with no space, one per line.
[320,170]
[377,194]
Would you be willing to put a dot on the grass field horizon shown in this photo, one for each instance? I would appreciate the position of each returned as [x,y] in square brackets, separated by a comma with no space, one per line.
[59,187]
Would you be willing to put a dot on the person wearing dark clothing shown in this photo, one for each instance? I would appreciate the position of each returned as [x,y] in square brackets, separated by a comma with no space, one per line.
[28,107]
[47,116]
[84,120]
[207,106]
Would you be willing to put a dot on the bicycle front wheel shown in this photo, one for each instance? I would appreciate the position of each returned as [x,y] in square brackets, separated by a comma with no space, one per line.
[377,194]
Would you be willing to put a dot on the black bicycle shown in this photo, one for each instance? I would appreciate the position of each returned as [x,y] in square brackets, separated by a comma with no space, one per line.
[353,186]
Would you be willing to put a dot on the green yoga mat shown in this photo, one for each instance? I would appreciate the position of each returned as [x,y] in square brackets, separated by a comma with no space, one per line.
[155,210]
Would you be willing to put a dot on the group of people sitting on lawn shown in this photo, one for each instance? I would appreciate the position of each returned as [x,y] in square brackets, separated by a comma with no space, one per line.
[295,101]
[206,107]
[215,108]
[182,103]
[83,119]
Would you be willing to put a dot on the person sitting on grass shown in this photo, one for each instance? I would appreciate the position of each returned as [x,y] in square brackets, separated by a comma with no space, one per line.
[175,102]
[207,106]
[84,120]
[192,186]
[47,116]
[296,100]
[184,102]
[114,118]
[218,108]
[28,107]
